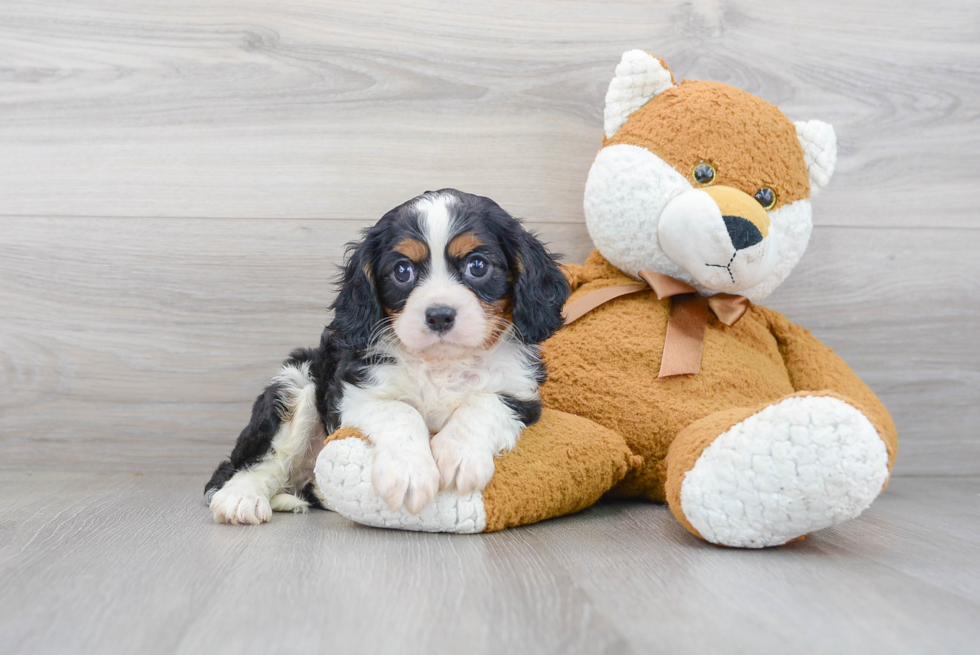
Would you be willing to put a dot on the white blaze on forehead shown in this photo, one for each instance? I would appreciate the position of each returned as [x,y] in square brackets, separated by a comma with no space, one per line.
[436,221]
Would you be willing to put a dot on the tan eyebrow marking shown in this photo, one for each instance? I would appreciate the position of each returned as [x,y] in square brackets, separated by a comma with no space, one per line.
[464,244]
[413,249]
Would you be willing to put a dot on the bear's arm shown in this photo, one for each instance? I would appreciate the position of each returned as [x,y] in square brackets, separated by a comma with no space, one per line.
[813,366]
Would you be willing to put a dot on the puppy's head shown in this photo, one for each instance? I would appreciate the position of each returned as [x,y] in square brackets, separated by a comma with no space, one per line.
[447,274]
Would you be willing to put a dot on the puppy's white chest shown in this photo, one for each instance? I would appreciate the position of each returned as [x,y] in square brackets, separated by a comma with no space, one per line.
[436,389]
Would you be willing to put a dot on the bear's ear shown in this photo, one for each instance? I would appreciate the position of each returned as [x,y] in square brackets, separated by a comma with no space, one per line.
[639,77]
[819,151]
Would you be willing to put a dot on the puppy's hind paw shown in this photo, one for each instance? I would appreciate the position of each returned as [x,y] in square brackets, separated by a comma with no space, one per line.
[289,503]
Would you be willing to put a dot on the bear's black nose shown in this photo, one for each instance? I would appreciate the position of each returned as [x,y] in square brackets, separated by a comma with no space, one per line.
[440,317]
[742,232]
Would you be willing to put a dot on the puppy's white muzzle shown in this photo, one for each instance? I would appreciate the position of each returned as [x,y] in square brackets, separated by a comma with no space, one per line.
[425,324]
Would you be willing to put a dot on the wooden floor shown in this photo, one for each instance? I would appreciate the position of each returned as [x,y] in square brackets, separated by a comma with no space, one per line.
[133,564]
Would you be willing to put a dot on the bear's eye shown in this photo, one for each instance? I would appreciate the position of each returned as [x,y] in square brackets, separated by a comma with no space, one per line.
[704,173]
[766,197]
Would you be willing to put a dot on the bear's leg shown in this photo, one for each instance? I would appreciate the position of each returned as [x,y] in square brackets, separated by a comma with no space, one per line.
[761,477]
[562,464]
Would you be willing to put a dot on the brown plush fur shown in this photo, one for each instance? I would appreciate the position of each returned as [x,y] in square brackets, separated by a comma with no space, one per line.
[749,142]
[562,464]
[604,367]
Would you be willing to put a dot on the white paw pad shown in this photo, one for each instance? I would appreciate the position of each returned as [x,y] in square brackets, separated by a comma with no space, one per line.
[801,465]
[344,477]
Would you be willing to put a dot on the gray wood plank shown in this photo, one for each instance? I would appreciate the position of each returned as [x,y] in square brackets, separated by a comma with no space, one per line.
[139,345]
[312,108]
[121,564]
[851,589]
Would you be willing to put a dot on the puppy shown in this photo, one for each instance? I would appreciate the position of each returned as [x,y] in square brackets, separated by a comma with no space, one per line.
[436,327]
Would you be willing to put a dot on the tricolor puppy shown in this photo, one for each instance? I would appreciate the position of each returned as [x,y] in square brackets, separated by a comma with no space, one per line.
[436,329]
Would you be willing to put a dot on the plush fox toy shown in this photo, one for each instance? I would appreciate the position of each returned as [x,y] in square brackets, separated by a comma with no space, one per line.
[668,382]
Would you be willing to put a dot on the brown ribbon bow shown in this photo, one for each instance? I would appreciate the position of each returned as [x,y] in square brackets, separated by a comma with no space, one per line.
[688,316]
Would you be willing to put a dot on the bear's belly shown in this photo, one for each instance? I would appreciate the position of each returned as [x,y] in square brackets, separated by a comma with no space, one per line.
[605,365]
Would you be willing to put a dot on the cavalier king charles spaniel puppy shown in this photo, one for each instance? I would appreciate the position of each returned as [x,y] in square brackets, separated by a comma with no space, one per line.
[432,354]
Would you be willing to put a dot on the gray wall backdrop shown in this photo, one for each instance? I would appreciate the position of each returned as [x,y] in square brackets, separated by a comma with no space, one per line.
[177,181]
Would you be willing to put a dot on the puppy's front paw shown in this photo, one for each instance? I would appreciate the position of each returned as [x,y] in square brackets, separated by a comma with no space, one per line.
[463,465]
[239,506]
[405,477]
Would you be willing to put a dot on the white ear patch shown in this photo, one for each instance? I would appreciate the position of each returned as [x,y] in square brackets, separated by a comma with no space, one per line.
[819,151]
[639,77]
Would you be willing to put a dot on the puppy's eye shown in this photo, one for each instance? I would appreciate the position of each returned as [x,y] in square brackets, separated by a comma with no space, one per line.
[404,273]
[704,174]
[766,197]
[477,267]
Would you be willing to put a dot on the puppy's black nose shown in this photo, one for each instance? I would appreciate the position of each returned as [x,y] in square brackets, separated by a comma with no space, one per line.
[742,232]
[440,318]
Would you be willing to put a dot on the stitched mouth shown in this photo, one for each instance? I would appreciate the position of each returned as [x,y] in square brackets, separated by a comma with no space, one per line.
[727,267]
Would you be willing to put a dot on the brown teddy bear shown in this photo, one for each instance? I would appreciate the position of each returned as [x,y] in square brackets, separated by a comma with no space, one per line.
[672,384]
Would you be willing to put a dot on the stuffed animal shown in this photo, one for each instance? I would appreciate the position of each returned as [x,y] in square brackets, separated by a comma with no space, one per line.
[668,382]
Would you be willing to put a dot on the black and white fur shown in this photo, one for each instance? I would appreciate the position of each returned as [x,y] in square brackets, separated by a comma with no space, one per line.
[436,327]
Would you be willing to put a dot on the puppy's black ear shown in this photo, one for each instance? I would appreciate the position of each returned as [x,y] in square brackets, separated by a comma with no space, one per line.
[357,308]
[540,290]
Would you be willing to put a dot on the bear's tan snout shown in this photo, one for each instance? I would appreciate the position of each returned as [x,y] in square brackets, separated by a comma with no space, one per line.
[745,219]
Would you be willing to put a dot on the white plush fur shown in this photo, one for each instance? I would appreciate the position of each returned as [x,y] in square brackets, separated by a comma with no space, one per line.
[693,234]
[789,230]
[819,151]
[251,495]
[628,191]
[801,465]
[344,473]
[639,77]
